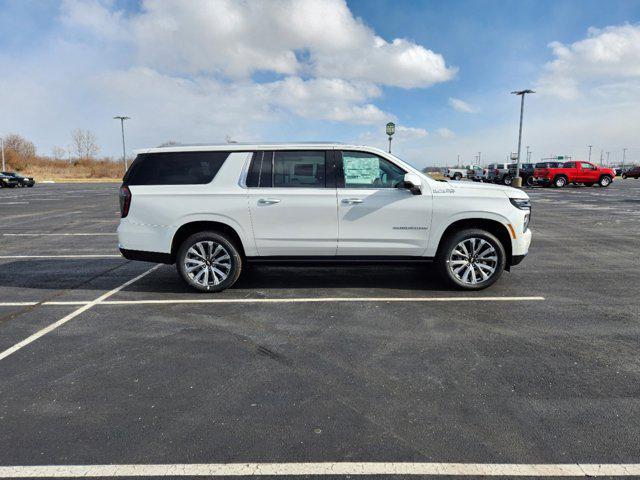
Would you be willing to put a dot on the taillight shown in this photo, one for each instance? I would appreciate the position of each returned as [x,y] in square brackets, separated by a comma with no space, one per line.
[125,201]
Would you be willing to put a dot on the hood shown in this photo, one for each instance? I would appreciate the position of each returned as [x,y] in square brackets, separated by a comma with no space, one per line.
[486,187]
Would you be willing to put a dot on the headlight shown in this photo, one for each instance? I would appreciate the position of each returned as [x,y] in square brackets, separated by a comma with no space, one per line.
[521,203]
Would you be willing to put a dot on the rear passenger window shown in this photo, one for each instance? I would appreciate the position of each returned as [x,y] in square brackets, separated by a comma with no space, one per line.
[299,169]
[175,168]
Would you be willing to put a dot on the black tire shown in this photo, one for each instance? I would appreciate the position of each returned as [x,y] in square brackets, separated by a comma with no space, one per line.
[530,181]
[624,175]
[507,180]
[604,181]
[452,241]
[235,260]
[457,176]
[560,181]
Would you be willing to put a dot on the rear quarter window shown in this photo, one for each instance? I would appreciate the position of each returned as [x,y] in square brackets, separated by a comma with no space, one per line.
[175,168]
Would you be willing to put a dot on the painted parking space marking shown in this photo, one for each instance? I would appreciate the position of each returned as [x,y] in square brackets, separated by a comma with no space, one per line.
[71,316]
[28,257]
[181,301]
[58,234]
[321,469]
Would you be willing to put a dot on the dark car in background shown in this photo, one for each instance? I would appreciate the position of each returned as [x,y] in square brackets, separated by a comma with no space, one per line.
[22,181]
[7,181]
[633,172]
[526,173]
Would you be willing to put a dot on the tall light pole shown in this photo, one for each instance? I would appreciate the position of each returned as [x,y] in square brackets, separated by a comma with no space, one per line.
[4,168]
[608,157]
[391,129]
[624,157]
[458,160]
[522,93]
[479,158]
[528,154]
[124,150]
[590,146]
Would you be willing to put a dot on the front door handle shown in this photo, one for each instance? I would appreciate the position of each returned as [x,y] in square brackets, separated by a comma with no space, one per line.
[268,201]
[352,200]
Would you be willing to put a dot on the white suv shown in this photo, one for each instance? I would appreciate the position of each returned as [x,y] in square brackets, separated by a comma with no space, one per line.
[212,209]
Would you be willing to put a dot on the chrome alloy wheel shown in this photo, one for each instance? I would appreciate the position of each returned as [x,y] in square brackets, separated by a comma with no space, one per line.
[473,261]
[207,263]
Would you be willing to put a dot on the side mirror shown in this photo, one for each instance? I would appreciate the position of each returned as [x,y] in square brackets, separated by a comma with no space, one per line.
[413,183]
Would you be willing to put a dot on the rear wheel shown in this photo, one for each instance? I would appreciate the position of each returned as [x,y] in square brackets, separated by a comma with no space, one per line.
[559,182]
[605,181]
[209,262]
[507,180]
[457,176]
[530,181]
[471,259]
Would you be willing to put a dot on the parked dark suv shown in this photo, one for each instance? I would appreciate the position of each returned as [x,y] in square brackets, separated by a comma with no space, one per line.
[21,180]
[633,172]
[526,173]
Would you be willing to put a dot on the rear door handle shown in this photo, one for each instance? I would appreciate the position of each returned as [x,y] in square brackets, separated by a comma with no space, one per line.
[268,201]
[352,200]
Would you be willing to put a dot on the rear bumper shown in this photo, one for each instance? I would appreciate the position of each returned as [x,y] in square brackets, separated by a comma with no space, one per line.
[153,257]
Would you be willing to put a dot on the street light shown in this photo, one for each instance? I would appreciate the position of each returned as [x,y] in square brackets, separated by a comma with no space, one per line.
[590,146]
[124,151]
[4,168]
[608,158]
[528,154]
[624,157]
[391,129]
[522,93]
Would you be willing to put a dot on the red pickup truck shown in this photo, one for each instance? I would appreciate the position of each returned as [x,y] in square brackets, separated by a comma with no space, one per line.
[573,172]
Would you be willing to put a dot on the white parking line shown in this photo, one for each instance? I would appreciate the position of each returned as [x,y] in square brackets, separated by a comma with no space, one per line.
[71,316]
[27,257]
[177,301]
[324,468]
[57,234]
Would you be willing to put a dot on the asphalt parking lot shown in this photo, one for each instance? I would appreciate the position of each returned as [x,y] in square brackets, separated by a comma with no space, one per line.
[340,366]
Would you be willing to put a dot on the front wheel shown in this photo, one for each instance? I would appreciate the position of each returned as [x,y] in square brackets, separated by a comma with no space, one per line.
[209,262]
[457,176]
[471,259]
[507,180]
[605,181]
[530,182]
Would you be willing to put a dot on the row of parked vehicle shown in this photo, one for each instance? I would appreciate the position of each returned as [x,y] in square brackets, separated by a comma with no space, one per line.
[549,173]
[14,179]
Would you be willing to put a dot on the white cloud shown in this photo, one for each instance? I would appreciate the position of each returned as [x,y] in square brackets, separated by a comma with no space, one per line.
[290,37]
[407,133]
[608,54]
[445,133]
[462,106]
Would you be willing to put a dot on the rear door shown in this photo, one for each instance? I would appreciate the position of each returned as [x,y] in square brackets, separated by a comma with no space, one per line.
[292,203]
[374,217]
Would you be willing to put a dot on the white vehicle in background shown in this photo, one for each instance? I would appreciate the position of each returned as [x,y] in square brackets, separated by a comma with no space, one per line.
[460,173]
[213,209]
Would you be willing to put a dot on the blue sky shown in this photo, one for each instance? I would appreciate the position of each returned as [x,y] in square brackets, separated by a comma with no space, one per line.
[239,70]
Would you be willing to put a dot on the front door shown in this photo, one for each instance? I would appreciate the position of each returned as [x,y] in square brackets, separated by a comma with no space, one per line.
[293,210]
[587,173]
[374,216]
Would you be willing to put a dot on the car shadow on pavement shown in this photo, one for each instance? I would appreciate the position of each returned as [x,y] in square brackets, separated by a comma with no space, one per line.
[262,277]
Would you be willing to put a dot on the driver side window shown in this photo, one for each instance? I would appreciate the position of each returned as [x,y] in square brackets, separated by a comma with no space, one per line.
[366,170]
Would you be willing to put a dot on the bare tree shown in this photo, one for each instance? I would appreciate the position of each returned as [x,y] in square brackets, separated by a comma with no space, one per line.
[85,145]
[19,147]
[58,153]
